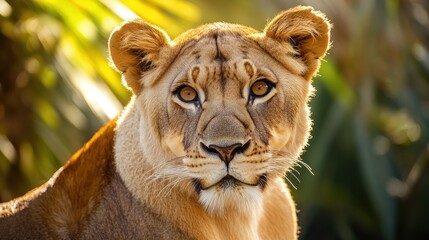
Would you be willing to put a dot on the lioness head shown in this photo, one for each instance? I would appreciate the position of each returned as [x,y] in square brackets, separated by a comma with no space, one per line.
[221,110]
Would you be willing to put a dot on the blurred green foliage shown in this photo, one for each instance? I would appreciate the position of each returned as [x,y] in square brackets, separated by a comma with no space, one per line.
[369,150]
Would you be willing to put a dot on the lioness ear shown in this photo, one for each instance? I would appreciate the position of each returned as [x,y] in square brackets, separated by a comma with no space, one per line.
[134,50]
[306,30]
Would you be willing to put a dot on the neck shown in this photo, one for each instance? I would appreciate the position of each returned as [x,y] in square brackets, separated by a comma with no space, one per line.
[238,226]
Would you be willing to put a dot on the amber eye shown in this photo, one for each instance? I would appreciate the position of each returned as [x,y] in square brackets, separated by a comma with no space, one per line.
[187,94]
[261,88]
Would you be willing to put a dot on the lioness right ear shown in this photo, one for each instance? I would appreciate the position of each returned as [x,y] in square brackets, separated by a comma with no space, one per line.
[134,49]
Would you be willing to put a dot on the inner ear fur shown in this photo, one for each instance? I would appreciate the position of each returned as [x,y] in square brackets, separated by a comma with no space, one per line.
[306,31]
[134,49]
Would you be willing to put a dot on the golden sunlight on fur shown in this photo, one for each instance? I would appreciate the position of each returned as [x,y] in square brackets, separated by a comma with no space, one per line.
[218,116]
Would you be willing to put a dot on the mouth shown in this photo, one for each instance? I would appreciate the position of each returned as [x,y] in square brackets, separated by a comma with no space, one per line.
[230,182]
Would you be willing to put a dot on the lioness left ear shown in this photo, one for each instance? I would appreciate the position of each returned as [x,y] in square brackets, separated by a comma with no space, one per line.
[135,49]
[306,30]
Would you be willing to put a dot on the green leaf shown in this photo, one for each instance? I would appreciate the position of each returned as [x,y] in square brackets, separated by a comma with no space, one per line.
[336,84]
[376,173]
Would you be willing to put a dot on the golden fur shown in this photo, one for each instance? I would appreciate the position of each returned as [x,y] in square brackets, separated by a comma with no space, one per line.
[210,168]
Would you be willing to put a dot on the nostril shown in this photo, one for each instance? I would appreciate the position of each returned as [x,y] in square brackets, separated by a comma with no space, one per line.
[227,153]
[241,148]
[209,150]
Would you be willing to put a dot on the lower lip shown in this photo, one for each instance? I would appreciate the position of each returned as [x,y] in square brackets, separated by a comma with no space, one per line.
[227,182]
[230,181]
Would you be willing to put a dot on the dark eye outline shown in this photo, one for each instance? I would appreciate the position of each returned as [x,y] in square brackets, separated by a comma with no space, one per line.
[270,85]
[180,88]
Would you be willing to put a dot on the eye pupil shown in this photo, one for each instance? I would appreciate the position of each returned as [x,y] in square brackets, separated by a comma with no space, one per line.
[187,94]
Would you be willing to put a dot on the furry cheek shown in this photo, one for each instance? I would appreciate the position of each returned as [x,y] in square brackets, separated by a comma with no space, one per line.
[279,137]
[173,143]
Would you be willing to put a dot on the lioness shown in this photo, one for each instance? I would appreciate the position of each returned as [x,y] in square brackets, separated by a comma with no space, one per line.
[200,152]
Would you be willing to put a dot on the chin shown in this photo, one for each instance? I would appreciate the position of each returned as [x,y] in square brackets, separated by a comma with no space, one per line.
[231,198]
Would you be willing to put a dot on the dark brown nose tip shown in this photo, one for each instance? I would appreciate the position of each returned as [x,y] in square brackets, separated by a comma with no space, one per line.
[227,153]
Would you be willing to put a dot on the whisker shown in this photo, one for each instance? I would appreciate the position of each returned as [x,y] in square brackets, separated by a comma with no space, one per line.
[294,176]
[300,162]
[283,160]
[172,173]
[287,179]
[280,153]
[169,185]
[280,156]
[177,160]
[174,185]
[292,168]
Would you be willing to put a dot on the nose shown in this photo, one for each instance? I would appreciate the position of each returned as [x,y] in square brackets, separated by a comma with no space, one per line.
[226,154]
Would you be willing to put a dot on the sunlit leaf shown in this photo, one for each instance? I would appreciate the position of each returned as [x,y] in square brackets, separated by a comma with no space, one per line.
[47,113]
[155,16]
[182,9]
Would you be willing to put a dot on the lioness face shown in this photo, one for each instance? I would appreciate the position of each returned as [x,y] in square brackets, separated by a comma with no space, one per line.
[236,116]
[229,106]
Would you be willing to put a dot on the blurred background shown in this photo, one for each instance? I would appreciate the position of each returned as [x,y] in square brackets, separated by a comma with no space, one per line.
[369,151]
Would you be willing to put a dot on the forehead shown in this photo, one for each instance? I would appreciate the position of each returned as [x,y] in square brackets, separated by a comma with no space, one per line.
[218,54]
[217,48]
[228,47]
